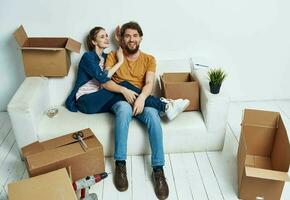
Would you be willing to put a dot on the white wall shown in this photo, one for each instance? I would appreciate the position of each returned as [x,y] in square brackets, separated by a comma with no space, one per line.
[249,39]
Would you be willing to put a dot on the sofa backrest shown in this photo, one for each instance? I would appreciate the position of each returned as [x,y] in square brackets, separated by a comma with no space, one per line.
[60,88]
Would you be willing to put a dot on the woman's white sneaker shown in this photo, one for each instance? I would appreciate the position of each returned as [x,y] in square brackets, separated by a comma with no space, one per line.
[175,107]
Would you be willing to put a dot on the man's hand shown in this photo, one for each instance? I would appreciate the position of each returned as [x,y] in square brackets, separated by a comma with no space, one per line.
[129,95]
[139,105]
[118,35]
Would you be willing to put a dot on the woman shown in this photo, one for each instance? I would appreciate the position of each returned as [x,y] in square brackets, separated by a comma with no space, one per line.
[89,97]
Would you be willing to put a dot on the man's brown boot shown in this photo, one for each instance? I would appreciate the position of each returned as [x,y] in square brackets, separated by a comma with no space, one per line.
[160,184]
[120,177]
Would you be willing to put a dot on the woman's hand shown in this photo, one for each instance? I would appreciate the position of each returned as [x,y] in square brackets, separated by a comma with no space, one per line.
[120,55]
[129,95]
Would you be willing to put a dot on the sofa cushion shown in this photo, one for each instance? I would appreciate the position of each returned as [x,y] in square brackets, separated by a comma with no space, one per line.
[178,135]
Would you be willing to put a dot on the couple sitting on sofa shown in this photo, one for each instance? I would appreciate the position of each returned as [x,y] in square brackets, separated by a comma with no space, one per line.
[122,82]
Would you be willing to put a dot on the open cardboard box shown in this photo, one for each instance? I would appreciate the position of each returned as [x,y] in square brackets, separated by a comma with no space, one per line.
[44,56]
[263,155]
[65,151]
[181,86]
[51,186]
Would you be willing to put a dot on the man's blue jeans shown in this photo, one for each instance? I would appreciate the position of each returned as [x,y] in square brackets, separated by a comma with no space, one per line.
[149,117]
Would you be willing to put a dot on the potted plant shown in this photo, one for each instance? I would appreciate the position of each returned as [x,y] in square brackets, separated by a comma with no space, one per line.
[216,76]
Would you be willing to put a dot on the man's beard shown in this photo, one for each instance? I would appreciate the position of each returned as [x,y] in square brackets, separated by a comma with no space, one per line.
[131,51]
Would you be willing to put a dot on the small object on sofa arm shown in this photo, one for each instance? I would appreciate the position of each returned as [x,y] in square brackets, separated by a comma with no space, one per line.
[52,112]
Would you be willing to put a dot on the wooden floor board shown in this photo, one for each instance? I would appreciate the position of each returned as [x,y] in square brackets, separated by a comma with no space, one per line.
[224,164]
[208,177]
[10,162]
[3,195]
[170,178]
[5,130]
[3,118]
[188,181]
[142,187]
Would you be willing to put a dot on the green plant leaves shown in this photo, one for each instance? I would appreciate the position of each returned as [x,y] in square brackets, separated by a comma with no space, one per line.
[216,76]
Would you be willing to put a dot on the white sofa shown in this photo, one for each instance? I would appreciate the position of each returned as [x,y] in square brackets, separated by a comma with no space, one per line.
[191,131]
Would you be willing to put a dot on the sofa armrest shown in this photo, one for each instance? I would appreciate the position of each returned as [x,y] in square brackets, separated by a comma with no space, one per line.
[214,107]
[27,107]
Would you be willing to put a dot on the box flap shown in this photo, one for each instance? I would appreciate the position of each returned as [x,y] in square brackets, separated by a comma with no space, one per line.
[242,151]
[20,36]
[266,174]
[41,48]
[281,149]
[73,45]
[260,118]
[66,139]
[177,77]
[51,186]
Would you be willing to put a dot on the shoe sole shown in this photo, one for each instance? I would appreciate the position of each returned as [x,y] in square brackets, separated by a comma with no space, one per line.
[159,197]
[119,188]
[180,111]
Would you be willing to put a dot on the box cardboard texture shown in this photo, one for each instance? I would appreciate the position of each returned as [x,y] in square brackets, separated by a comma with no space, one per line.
[64,151]
[45,56]
[51,186]
[263,155]
[181,85]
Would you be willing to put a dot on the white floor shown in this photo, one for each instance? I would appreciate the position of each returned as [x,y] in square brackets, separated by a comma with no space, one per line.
[198,175]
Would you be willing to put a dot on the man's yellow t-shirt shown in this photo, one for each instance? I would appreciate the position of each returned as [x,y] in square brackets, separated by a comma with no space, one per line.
[132,71]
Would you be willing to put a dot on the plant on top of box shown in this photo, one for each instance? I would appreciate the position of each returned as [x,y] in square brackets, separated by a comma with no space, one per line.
[216,76]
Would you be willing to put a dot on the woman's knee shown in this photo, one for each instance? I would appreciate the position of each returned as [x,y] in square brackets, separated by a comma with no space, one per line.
[151,115]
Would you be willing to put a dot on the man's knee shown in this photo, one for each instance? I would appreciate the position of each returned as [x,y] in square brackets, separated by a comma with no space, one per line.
[122,108]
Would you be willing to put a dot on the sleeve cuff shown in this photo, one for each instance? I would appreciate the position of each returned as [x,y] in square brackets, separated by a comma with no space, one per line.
[105,78]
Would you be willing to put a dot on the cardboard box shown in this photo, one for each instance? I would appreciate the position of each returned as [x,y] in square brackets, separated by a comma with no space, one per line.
[45,56]
[51,186]
[65,151]
[180,85]
[263,155]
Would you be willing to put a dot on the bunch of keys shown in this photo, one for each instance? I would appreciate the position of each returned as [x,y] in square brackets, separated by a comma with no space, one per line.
[79,137]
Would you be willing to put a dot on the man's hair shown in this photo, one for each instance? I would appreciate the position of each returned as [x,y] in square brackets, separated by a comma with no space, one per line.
[92,37]
[131,25]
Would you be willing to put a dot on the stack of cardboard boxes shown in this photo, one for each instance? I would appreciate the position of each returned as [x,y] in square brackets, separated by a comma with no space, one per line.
[62,152]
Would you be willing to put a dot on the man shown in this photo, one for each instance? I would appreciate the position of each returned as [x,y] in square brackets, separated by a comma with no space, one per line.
[139,70]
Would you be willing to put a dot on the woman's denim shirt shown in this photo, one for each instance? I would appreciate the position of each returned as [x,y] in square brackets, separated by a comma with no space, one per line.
[88,69]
